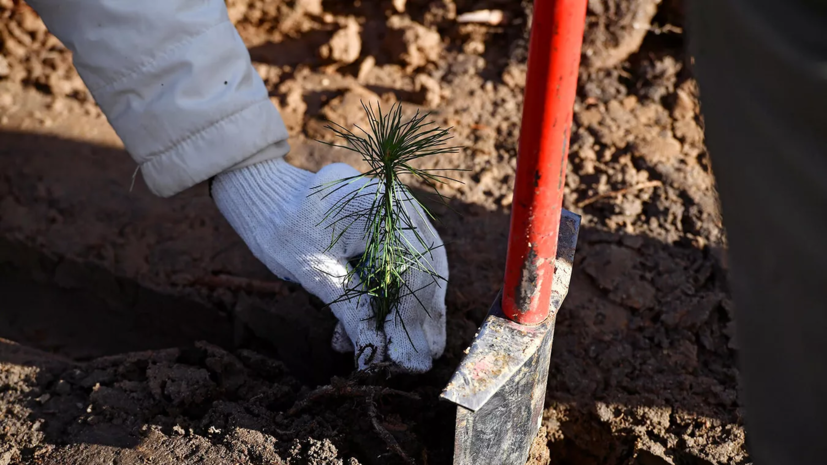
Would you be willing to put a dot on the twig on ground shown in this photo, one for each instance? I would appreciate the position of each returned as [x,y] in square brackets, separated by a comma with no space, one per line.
[383,433]
[619,192]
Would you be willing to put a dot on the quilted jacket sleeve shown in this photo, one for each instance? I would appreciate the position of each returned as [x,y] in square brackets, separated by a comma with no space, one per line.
[174,79]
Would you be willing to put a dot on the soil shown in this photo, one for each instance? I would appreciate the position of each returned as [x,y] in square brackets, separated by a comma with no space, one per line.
[145,331]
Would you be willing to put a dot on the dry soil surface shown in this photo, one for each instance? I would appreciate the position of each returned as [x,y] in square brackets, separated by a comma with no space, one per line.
[108,292]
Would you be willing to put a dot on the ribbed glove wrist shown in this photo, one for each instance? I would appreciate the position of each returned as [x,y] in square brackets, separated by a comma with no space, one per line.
[252,194]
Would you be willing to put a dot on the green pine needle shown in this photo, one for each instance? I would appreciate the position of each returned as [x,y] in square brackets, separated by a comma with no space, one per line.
[388,147]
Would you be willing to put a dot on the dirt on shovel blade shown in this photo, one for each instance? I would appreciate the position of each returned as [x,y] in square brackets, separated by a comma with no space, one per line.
[146,332]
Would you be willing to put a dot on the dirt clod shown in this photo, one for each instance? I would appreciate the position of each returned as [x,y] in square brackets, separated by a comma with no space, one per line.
[413,43]
[428,91]
[615,29]
[345,45]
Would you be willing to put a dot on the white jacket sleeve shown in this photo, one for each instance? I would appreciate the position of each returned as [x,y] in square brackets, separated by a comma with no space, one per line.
[174,79]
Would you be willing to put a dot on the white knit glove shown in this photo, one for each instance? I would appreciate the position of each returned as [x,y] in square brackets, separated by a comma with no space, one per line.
[273,207]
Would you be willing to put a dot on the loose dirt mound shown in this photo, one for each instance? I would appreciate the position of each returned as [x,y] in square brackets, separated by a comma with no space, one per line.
[194,405]
[643,364]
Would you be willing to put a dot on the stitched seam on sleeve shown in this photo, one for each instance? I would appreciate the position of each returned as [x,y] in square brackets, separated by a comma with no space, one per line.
[204,129]
[156,58]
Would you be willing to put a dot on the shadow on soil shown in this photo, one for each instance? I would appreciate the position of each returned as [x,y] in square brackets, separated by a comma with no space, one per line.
[644,325]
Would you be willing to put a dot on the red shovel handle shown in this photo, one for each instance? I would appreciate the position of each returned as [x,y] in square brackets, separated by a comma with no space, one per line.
[551,84]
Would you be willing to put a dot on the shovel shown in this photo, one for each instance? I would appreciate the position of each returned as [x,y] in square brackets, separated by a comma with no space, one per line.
[500,386]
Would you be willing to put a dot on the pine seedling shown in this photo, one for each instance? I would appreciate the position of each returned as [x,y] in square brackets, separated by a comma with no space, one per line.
[395,247]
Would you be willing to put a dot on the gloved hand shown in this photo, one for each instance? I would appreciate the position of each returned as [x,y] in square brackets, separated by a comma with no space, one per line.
[273,207]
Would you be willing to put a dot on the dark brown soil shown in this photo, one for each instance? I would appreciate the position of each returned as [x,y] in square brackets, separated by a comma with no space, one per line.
[109,290]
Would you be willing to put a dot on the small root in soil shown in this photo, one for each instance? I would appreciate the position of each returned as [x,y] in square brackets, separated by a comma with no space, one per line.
[383,433]
[339,387]
[347,388]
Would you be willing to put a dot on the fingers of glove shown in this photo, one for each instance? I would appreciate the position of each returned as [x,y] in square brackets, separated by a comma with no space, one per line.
[426,241]
[327,278]
[343,205]
[372,348]
[347,206]
[341,341]
[334,172]
[340,181]
[433,276]
[408,344]
[434,325]
[275,267]
[370,343]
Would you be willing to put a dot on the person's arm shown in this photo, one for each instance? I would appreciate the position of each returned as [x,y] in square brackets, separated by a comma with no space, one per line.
[175,81]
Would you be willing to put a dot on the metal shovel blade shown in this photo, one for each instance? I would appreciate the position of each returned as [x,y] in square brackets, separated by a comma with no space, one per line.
[500,386]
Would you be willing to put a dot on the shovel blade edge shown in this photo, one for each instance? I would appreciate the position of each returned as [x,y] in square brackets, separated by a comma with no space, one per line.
[500,386]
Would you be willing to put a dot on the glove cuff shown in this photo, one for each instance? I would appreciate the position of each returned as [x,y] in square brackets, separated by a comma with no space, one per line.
[250,195]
